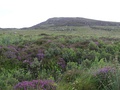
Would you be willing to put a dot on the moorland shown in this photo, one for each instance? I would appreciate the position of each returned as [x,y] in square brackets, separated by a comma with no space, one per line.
[61,54]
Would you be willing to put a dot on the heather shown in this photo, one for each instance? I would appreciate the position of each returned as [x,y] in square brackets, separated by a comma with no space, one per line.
[35,85]
[59,61]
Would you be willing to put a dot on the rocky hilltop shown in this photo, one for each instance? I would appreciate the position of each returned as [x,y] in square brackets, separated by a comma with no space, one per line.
[67,21]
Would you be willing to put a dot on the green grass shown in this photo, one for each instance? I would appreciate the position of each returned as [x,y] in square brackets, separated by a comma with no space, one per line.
[78,31]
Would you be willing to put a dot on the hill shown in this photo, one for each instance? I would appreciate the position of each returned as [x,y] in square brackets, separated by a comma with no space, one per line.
[67,21]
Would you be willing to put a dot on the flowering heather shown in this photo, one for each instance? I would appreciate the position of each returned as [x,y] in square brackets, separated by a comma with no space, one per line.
[104,70]
[0,47]
[49,41]
[61,63]
[96,43]
[103,77]
[40,55]
[10,54]
[36,85]
[13,48]
[26,61]
[104,74]
[19,57]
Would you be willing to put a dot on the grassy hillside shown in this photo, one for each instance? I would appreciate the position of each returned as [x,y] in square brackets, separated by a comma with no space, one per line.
[60,58]
[69,30]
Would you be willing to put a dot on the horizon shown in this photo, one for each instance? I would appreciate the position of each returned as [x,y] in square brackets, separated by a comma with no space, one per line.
[59,17]
[21,14]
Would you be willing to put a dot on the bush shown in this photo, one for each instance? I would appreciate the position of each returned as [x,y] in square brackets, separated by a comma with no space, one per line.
[84,82]
[7,81]
[9,63]
[103,78]
[115,80]
[86,63]
[36,85]
[72,65]
[93,46]
[71,75]
[22,74]
[69,55]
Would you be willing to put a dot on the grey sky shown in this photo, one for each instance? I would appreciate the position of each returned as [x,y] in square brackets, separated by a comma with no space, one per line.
[25,13]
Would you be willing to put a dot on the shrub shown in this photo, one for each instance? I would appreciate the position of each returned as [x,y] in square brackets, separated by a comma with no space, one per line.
[9,63]
[103,77]
[115,80]
[72,65]
[86,63]
[90,55]
[62,64]
[69,55]
[93,46]
[34,67]
[21,74]
[7,81]
[71,75]
[84,82]
[36,85]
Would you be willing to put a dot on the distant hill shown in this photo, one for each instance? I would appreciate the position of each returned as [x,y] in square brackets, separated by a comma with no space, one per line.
[67,21]
[8,28]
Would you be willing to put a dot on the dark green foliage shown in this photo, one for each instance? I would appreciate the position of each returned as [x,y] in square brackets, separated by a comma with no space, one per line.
[7,80]
[21,74]
[93,46]
[86,63]
[69,55]
[9,63]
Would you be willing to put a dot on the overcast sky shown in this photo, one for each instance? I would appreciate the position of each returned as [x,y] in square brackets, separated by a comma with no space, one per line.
[26,13]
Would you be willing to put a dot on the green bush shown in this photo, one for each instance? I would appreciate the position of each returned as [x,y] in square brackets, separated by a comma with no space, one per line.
[72,65]
[71,75]
[84,82]
[22,74]
[103,78]
[115,80]
[7,81]
[9,63]
[93,46]
[86,64]
[69,55]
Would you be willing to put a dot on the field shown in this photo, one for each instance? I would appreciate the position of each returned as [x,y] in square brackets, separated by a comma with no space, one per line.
[60,58]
